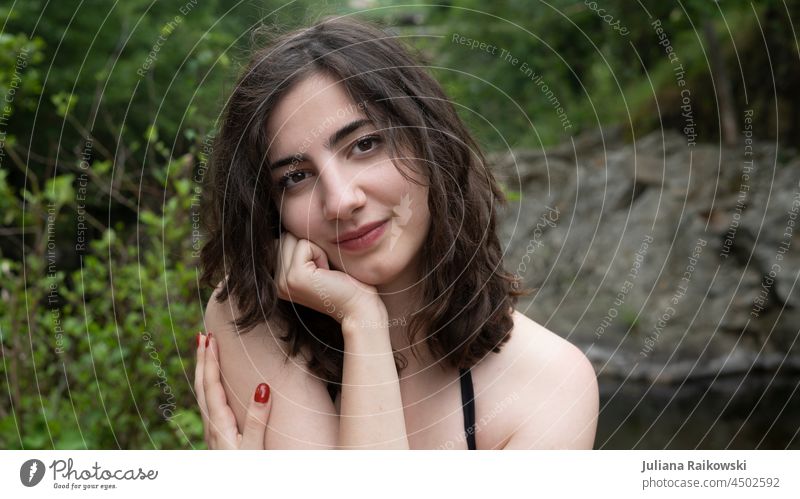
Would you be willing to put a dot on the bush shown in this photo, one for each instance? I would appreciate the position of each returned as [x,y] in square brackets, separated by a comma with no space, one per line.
[101,357]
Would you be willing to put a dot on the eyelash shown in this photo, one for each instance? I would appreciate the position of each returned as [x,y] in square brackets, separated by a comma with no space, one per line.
[376,139]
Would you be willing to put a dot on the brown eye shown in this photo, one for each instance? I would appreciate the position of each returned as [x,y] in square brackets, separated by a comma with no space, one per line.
[290,179]
[367,144]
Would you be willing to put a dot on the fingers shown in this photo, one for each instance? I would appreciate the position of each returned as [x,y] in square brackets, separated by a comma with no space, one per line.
[319,256]
[288,244]
[255,426]
[310,252]
[219,422]
[286,247]
[222,429]
[199,389]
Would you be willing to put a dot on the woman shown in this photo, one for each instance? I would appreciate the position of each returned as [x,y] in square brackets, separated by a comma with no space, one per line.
[352,233]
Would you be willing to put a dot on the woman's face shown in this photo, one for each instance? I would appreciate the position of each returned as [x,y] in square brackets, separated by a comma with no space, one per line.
[332,176]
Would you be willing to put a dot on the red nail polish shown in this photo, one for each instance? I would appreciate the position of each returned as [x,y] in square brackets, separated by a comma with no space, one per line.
[197,339]
[262,393]
[208,339]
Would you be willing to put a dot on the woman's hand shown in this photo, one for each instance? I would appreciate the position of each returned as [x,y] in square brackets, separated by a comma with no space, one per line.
[303,276]
[219,423]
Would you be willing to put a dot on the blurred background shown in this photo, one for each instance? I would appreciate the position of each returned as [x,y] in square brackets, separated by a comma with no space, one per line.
[648,150]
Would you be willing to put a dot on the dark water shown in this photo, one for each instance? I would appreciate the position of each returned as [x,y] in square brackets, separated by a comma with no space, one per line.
[762,413]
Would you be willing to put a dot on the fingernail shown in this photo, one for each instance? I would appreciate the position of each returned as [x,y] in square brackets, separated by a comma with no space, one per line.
[262,393]
[208,339]
[197,339]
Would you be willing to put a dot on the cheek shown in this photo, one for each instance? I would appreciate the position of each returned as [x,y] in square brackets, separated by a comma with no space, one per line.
[422,220]
[298,218]
[419,197]
[392,180]
[412,216]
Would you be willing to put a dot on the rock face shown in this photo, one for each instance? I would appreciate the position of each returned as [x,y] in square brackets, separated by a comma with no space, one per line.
[662,261]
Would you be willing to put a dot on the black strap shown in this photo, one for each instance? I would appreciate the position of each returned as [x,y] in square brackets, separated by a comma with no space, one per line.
[332,390]
[468,404]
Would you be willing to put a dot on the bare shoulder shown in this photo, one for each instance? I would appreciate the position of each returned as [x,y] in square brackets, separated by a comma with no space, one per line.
[303,415]
[540,391]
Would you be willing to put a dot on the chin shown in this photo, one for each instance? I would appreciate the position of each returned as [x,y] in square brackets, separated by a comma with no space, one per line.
[374,272]
[372,277]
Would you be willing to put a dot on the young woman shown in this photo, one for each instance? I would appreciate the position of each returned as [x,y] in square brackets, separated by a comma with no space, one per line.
[359,278]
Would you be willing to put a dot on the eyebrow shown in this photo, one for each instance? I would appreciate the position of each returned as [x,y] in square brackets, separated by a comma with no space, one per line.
[332,141]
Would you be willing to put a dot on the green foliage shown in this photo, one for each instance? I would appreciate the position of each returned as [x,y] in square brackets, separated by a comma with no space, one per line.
[101,356]
[19,57]
[64,103]
[599,74]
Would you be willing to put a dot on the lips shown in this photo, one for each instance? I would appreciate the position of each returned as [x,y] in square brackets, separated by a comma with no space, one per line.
[367,240]
[355,234]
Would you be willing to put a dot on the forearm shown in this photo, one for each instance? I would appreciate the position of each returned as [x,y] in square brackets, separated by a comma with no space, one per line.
[371,415]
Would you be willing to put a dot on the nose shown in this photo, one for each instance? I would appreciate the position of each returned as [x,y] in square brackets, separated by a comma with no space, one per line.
[341,191]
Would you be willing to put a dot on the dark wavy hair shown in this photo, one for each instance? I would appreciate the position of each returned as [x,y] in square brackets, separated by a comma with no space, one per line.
[468,295]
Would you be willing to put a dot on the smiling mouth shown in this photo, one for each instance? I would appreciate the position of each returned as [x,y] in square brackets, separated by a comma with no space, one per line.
[365,240]
[367,228]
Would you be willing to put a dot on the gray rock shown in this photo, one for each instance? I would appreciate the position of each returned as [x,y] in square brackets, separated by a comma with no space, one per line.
[658,259]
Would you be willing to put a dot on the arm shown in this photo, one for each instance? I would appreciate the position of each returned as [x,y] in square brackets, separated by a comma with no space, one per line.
[371,407]
[372,410]
[302,415]
[219,423]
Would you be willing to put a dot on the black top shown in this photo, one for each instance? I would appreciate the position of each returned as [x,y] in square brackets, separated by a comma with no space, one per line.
[467,404]
[332,389]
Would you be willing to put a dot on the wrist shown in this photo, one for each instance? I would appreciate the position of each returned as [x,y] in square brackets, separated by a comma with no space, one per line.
[373,311]
[366,322]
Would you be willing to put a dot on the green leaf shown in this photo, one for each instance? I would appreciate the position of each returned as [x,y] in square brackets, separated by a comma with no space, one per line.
[149,218]
[151,134]
[182,186]
[59,190]
[64,103]
[101,167]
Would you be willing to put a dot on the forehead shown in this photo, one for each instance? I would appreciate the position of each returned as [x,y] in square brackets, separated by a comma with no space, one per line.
[309,112]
